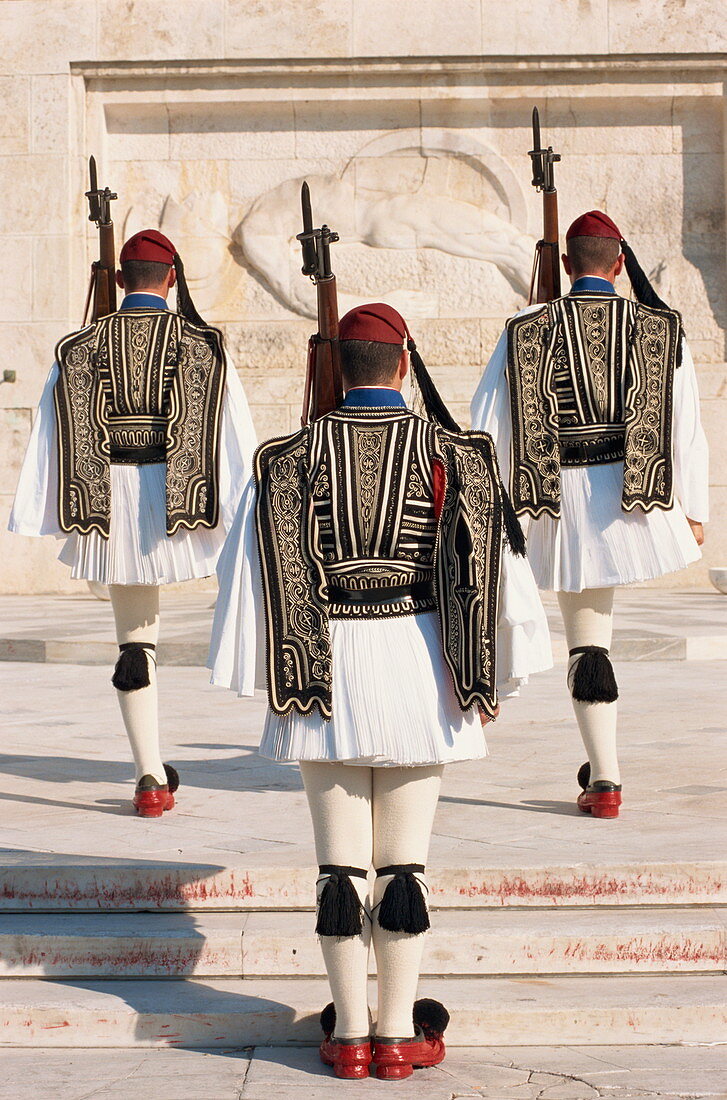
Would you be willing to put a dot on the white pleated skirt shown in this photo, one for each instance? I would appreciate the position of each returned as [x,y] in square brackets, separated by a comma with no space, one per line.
[393,702]
[138,550]
[595,544]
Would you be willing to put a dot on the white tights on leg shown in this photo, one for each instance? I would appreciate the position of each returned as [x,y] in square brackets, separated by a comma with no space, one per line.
[588,620]
[362,814]
[405,801]
[136,613]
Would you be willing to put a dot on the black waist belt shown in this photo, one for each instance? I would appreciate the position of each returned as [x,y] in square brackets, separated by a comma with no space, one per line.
[594,451]
[137,456]
[393,593]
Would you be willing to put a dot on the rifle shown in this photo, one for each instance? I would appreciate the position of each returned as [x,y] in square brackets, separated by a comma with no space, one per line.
[323,383]
[103,270]
[546,265]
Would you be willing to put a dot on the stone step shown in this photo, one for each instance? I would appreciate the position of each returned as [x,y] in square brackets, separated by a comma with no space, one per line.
[45,884]
[232,945]
[485,1011]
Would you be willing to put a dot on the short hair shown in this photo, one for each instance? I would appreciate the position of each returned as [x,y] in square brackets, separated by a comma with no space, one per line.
[368,362]
[143,273]
[589,254]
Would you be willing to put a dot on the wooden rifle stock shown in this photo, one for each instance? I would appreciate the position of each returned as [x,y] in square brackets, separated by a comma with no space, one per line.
[323,385]
[103,270]
[545,283]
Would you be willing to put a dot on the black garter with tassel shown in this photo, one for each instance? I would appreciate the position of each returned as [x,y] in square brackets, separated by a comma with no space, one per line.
[340,912]
[593,677]
[132,668]
[403,908]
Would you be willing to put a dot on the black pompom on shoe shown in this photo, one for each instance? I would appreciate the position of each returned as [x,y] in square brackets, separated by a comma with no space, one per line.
[172,778]
[584,775]
[431,1017]
[328,1019]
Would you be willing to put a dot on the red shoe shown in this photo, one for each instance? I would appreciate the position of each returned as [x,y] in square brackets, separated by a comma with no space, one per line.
[398,1058]
[350,1058]
[599,799]
[151,799]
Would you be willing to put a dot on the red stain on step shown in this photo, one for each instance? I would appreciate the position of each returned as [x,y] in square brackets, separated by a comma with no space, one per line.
[49,1027]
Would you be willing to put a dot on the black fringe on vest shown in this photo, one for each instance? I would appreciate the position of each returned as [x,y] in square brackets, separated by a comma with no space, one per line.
[514,534]
[340,912]
[403,907]
[132,668]
[593,678]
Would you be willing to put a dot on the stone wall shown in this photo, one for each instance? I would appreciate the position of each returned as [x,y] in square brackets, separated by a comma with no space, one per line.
[411,121]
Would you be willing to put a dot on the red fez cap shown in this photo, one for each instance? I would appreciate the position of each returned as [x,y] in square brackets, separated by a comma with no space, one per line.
[594,224]
[149,245]
[376,321]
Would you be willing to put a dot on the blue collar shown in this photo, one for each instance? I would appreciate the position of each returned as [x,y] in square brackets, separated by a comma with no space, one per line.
[373,397]
[593,283]
[139,299]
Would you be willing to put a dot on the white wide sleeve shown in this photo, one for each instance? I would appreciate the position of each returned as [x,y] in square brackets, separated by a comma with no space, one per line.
[691,454]
[523,636]
[237,645]
[35,508]
[237,446]
[490,408]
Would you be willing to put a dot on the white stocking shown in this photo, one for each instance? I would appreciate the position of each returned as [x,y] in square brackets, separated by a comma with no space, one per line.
[404,803]
[588,620]
[339,796]
[136,612]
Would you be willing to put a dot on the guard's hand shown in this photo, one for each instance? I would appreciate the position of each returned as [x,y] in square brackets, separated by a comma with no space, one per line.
[485,718]
[697,531]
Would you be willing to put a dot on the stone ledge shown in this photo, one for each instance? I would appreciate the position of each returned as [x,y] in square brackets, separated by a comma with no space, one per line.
[234,1014]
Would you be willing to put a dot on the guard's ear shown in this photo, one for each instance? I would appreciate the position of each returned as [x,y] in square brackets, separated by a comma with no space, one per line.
[172,277]
[619,264]
[566,264]
[403,368]
[120,280]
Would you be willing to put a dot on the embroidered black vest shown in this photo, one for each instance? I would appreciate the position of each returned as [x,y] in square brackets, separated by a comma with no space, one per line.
[347,528]
[141,385]
[591,381]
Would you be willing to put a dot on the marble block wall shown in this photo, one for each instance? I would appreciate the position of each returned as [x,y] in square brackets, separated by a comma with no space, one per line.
[411,121]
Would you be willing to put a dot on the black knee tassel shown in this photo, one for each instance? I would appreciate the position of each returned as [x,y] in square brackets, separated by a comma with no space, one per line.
[403,907]
[340,912]
[593,677]
[132,667]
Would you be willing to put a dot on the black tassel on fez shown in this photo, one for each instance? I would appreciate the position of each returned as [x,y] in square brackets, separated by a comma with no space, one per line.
[593,679]
[132,667]
[340,912]
[403,908]
[514,534]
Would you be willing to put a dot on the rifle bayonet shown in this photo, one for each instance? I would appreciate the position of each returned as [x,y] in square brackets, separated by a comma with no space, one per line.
[323,387]
[103,270]
[546,270]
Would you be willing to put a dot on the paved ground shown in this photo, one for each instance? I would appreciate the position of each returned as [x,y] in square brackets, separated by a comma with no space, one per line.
[537,1073]
[65,775]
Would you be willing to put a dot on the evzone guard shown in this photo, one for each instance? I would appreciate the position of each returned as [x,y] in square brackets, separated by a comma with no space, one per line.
[140,447]
[592,402]
[370,559]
